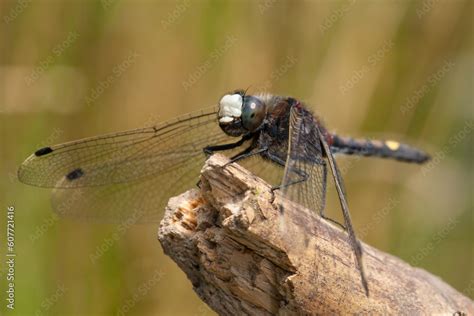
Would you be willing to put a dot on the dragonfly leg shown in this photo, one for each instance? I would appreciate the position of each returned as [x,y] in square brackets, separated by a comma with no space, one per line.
[333,221]
[248,152]
[240,156]
[209,150]
[321,210]
[303,175]
[303,178]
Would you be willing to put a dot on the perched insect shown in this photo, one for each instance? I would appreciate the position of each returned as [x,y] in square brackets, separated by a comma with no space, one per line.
[107,178]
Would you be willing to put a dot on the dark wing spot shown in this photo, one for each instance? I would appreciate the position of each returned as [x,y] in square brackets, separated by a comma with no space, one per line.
[75,174]
[43,151]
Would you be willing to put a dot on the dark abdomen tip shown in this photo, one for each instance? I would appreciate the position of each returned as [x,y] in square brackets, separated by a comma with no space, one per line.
[384,149]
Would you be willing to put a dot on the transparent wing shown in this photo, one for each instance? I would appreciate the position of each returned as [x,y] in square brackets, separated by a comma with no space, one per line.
[304,178]
[122,157]
[355,244]
[305,175]
[139,201]
[113,177]
[270,172]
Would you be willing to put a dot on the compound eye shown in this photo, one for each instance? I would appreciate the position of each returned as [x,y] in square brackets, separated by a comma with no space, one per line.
[253,113]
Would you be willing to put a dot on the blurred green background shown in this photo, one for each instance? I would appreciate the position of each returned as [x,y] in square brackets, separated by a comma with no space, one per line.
[378,69]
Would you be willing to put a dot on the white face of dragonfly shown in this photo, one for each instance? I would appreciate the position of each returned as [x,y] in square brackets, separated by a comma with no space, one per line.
[240,114]
[230,108]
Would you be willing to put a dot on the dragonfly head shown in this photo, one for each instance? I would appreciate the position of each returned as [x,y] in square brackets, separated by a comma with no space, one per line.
[240,113]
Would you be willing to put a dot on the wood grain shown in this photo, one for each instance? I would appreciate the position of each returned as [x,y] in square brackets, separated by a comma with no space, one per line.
[244,255]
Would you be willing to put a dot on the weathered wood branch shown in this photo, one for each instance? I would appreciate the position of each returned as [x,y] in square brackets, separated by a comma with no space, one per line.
[243,256]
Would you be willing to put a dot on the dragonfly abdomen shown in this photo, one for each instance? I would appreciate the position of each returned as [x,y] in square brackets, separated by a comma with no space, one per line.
[377,148]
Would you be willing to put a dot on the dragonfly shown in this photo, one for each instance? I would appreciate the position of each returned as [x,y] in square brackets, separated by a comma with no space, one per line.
[107,178]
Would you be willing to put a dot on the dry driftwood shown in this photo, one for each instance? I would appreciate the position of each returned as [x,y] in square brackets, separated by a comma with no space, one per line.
[244,257]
